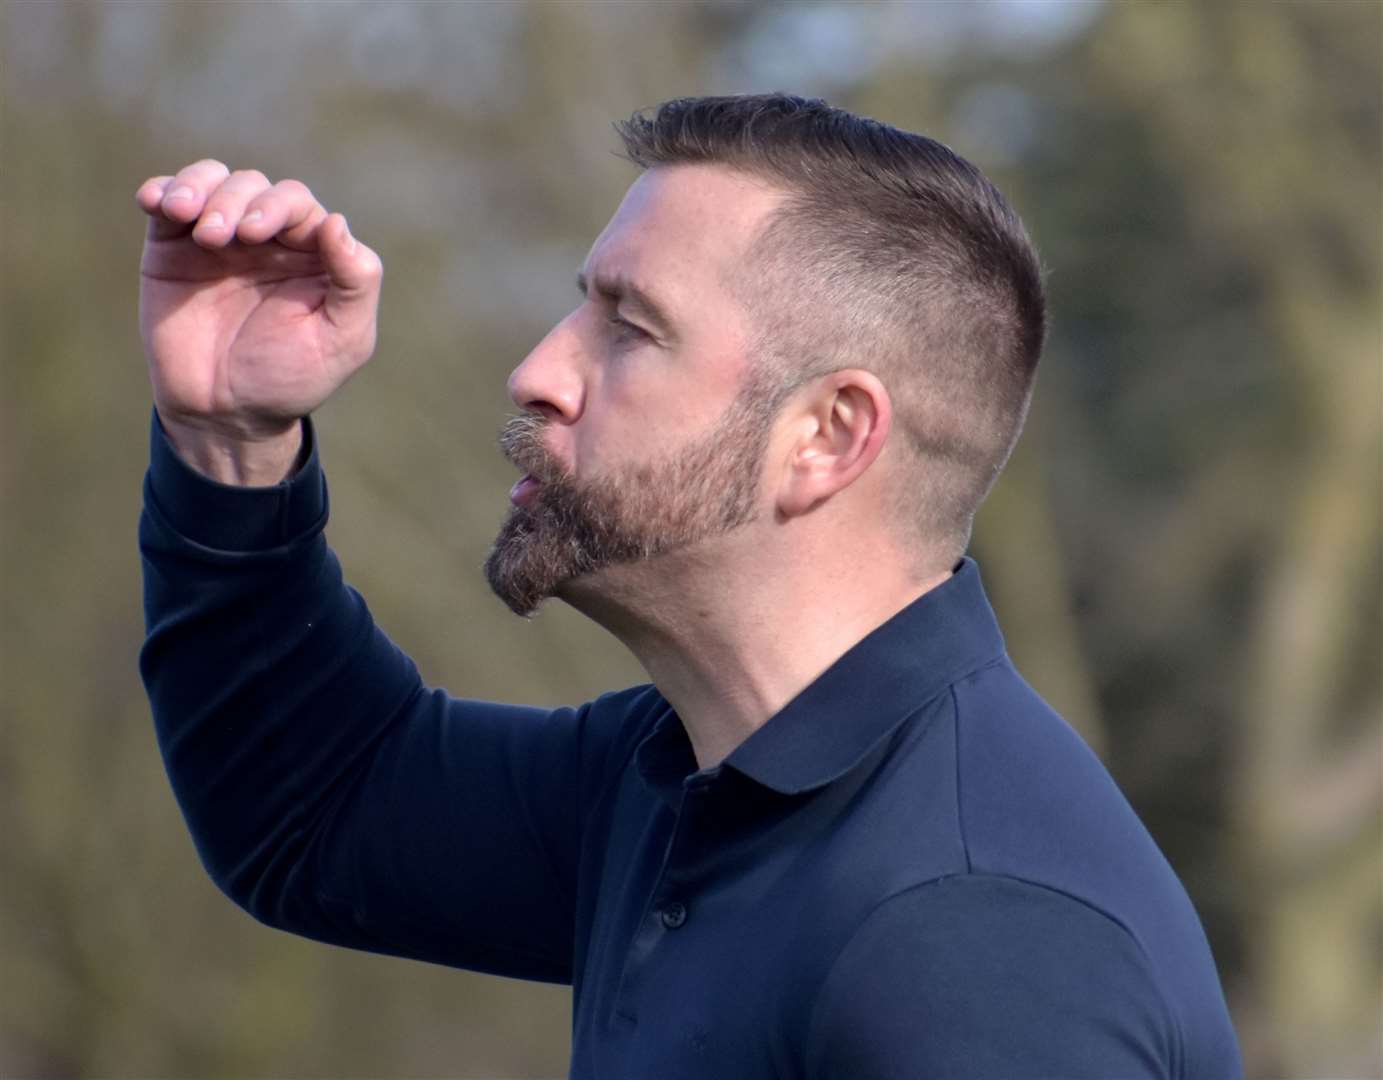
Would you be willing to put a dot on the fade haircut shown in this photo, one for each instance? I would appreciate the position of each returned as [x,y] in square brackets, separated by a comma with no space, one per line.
[890,253]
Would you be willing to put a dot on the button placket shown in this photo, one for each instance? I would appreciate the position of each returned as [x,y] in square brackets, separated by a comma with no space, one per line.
[662,913]
[672,912]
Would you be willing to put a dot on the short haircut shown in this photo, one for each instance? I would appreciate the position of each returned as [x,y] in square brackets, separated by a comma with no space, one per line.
[890,253]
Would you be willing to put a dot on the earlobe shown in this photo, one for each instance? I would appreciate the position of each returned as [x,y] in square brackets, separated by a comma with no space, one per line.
[841,429]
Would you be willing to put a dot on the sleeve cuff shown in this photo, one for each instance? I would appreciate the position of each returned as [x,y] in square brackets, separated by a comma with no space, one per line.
[229,518]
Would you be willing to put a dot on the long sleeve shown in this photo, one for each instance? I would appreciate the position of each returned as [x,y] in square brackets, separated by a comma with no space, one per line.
[328,791]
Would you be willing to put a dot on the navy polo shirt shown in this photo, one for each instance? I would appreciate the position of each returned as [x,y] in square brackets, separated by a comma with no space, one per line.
[915,869]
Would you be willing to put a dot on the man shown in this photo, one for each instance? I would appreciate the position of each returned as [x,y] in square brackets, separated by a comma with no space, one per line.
[838,836]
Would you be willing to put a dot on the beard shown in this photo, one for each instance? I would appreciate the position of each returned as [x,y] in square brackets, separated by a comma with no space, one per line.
[572,529]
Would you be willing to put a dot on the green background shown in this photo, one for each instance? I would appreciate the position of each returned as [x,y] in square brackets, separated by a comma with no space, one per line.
[1185,552]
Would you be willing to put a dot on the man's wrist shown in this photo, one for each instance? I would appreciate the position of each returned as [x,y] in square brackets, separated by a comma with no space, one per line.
[232,517]
[237,461]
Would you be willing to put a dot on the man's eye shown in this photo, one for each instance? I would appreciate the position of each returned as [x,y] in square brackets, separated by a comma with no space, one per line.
[626,328]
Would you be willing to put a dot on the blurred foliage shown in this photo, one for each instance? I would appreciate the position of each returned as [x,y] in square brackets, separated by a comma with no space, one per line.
[1185,551]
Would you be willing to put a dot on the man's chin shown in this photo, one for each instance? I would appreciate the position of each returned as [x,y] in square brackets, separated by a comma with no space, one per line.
[524,588]
[580,593]
[509,580]
[521,600]
[523,572]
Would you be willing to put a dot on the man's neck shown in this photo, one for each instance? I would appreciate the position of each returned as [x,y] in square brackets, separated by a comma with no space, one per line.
[729,652]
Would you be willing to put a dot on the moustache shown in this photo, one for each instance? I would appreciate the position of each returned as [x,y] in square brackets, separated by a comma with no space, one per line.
[521,443]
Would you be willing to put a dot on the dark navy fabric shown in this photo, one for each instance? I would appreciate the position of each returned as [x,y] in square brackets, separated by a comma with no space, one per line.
[914,870]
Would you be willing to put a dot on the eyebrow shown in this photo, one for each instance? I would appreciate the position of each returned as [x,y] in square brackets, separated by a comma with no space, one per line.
[622,290]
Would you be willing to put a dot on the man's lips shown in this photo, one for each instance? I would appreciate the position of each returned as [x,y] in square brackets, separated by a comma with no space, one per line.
[525,491]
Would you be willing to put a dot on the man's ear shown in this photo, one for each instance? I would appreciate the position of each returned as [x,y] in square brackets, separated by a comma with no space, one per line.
[838,426]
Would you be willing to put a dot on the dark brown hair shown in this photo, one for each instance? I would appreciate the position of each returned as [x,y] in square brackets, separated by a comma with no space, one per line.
[891,253]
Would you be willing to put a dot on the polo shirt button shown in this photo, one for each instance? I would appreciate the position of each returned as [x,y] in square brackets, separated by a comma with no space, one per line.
[674,915]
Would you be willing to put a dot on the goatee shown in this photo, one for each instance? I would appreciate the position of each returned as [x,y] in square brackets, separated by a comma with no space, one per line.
[571,529]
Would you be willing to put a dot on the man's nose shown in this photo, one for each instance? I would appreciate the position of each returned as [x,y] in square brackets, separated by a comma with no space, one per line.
[549,379]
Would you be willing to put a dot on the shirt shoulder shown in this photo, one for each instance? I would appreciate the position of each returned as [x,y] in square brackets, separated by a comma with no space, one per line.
[1036,805]
[982,975]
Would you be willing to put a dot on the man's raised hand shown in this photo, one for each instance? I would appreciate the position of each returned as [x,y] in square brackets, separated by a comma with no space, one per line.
[255,305]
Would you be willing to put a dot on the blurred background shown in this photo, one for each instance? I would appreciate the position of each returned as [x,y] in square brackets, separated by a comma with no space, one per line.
[1185,551]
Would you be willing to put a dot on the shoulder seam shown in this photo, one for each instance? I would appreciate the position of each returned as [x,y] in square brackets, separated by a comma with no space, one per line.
[994,661]
[960,801]
[1171,1015]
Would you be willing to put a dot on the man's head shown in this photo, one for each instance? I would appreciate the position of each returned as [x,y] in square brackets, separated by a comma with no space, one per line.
[642,429]
[795,247]
[890,253]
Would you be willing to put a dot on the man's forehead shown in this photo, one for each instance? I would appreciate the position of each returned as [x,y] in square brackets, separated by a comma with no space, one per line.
[687,221]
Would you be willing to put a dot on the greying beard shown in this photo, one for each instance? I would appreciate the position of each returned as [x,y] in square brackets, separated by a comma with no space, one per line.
[572,529]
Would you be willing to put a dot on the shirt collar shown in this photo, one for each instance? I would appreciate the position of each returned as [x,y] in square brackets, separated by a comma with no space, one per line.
[858,701]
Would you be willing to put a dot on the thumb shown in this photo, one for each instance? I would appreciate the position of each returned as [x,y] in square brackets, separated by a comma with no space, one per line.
[354,271]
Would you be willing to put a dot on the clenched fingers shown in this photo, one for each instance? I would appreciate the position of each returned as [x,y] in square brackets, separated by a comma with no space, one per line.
[286,212]
[225,206]
[217,206]
[175,203]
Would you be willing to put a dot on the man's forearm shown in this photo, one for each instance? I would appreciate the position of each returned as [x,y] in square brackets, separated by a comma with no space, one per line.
[257,656]
[318,776]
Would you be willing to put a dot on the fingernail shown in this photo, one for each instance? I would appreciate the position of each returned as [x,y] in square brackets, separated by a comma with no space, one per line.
[213,220]
[183,192]
[350,240]
[253,215]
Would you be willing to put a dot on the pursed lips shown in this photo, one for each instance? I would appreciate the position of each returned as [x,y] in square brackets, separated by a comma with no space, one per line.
[521,443]
[525,490]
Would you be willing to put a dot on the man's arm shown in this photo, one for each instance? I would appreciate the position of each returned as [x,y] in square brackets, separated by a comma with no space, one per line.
[981,977]
[328,791]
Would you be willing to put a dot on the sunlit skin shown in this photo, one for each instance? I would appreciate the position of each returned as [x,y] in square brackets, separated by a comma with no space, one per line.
[729,628]
[732,628]
[611,388]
